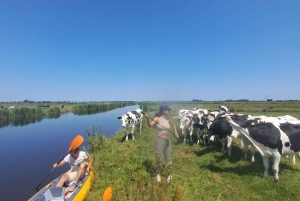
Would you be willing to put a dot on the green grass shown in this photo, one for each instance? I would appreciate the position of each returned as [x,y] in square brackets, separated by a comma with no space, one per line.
[199,172]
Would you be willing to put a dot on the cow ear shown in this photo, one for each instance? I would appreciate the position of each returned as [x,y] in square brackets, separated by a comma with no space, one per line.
[119,117]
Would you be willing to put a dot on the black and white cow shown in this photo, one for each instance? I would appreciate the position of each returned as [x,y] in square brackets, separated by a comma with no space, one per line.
[62,106]
[198,123]
[222,130]
[186,124]
[130,120]
[182,113]
[207,120]
[192,120]
[271,140]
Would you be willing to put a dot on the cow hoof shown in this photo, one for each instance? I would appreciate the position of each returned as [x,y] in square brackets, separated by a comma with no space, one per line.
[276,180]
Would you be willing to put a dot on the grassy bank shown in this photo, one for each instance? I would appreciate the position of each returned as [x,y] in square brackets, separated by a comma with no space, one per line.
[199,172]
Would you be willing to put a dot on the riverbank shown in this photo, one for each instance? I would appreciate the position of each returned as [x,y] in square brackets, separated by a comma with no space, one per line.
[199,172]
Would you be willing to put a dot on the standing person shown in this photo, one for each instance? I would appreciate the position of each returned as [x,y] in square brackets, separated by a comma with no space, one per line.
[161,122]
[80,164]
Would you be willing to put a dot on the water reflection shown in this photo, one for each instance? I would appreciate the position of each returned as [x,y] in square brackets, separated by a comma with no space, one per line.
[30,151]
[25,116]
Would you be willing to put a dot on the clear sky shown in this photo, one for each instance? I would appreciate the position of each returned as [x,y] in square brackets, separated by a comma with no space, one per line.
[119,50]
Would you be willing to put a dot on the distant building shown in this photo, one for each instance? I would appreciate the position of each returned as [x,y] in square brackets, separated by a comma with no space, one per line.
[269,100]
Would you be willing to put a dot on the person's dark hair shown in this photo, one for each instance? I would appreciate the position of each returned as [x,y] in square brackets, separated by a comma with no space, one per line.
[161,110]
[75,150]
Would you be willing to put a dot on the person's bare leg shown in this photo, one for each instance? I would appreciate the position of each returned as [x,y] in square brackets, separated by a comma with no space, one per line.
[80,172]
[63,179]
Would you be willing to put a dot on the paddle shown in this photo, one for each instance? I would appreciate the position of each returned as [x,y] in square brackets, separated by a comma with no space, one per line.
[159,124]
[107,195]
[37,188]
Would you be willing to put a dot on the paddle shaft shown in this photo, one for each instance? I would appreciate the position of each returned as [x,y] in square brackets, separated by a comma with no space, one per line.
[49,173]
[159,124]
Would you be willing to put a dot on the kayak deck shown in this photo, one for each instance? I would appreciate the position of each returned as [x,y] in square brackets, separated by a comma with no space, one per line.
[51,192]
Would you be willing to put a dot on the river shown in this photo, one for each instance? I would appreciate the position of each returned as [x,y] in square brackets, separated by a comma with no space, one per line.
[29,152]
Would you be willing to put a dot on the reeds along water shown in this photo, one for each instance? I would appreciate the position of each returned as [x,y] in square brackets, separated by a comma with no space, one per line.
[83,109]
[23,116]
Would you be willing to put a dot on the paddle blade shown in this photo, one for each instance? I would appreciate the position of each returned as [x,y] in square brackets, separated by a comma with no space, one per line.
[77,141]
[107,195]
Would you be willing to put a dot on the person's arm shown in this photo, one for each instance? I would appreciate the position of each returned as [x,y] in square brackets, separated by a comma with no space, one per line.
[90,163]
[60,164]
[174,127]
[153,122]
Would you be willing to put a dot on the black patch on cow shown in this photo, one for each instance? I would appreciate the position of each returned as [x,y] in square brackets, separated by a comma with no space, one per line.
[293,133]
[241,120]
[266,134]
[220,127]
[137,115]
[287,144]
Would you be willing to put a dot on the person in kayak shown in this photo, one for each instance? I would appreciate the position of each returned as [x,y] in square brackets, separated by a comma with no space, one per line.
[161,122]
[80,164]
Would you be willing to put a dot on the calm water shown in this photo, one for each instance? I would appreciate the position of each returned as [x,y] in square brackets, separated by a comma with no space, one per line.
[29,152]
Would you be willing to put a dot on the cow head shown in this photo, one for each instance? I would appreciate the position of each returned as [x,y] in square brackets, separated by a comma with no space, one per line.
[126,120]
[185,121]
[223,109]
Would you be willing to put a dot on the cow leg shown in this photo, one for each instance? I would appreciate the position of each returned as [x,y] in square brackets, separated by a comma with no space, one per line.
[246,144]
[126,134]
[294,159]
[141,125]
[204,139]
[266,165]
[245,147]
[229,142]
[191,135]
[183,131]
[252,151]
[276,161]
[198,136]
[133,131]
[223,143]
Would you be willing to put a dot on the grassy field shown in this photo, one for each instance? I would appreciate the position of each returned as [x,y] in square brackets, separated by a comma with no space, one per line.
[199,172]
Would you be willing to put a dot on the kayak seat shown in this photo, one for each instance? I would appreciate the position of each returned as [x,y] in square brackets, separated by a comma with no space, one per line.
[54,194]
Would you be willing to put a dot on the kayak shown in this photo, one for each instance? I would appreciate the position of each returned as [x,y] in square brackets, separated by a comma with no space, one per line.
[51,192]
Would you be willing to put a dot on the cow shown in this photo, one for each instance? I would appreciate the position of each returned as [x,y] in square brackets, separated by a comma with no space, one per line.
[271,139]
[130,120]
[207,120]
[192,120]
[1,107]
[62,106]
[186,124]
[198,123]
[11,107]
[221,129]
[264,119]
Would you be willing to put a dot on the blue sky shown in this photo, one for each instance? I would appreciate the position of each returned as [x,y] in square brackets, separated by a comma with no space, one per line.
[149,50]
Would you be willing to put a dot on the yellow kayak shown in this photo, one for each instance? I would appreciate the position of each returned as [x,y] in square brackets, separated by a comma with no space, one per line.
[51,192]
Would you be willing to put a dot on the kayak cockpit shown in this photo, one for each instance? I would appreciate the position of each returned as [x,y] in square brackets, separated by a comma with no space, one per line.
[56,193]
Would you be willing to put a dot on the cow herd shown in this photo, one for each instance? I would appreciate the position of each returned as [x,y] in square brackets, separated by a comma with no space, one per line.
[272,137]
